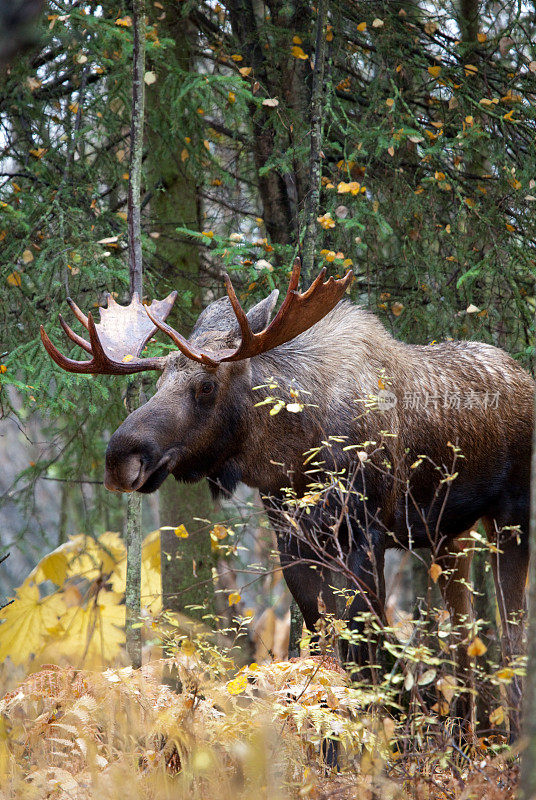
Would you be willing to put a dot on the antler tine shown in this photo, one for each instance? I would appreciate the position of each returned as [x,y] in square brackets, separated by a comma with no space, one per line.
[74,336]
[100,359]
[68,364]
[80,316]
[240,314]
[189,350]
[298,313]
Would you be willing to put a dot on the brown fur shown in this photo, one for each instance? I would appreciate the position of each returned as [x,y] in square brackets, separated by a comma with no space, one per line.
[337,369]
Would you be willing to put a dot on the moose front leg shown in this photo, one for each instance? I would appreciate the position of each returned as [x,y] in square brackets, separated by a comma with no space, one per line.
[365,563]
[308,579]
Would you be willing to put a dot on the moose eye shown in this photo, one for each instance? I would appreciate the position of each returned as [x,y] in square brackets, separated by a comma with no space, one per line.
[206,388]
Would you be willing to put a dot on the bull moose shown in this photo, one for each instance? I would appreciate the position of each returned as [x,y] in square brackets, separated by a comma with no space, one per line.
[429,439]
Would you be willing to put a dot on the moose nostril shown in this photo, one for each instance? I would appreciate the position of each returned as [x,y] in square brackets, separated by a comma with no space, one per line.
[125,476]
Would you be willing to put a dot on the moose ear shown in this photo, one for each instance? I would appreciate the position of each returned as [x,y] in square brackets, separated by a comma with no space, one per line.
[219,316]
[259,315]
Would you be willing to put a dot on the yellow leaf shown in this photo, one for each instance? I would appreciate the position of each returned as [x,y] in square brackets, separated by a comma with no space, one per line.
[127,358]
[470,69]
[497,716]
[13,279]
[329,34]
[206,144]
[27,256]
[505,674]
[326,221]
[397,309]
[219,531]
[245,71]
[510,228]
[181,532]
[39,152]
[237,685]
[3,369]
[237,57]
[389,102]
[481,37]
[434,71]
[362,26]
[470,202]
[53,567]
[184,154]
[234,598]
[124,22]
[435,571]
[90,557]
[187,647]
[476,648]
[73,108]
[232,97]
[26,622]
[298,52]
[94,634]
[296,40]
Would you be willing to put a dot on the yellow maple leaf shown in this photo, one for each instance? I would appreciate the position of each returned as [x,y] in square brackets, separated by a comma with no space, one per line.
[26,623]
[92,635]
[53,567]
[435,571]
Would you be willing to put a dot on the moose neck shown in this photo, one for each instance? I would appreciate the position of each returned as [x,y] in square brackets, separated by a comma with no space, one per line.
[322,372]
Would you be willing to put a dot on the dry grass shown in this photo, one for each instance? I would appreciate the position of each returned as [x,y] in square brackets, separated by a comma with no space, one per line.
[117,733]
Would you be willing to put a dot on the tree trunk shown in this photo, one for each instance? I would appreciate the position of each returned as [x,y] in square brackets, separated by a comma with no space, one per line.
[186,562]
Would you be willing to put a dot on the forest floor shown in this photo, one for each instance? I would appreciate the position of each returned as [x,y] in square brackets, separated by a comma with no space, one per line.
[175,729]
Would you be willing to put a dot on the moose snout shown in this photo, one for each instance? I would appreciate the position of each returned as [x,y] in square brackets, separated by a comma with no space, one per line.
[134,464]
[124,475]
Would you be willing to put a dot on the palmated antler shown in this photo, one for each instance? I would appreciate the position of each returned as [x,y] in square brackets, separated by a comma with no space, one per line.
[298,312]
[115,342]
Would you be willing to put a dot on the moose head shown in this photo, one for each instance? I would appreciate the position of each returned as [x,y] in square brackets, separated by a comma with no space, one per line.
[196,423]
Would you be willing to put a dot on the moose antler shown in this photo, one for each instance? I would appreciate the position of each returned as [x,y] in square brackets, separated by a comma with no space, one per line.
[115,342]
[298,312]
